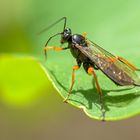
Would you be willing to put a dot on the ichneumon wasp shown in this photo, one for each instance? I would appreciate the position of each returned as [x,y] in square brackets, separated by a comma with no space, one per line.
[93,57]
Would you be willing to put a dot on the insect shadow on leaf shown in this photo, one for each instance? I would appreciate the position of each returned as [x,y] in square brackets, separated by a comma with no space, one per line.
[93,98]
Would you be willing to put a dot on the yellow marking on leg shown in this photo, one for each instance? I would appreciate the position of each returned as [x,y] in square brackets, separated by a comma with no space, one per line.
[84,34]
[51,48]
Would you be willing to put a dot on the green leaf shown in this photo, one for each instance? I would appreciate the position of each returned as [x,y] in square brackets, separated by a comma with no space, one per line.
[21,80]
[114,25]
[120,102]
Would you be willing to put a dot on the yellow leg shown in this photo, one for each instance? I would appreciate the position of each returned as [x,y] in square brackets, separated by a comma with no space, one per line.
[52,48]
[84,34]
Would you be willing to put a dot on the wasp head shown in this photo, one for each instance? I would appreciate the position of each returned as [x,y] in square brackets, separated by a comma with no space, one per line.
[66,35]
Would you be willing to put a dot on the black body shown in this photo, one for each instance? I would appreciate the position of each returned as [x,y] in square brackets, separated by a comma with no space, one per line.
[96,57]
[80,57]
[91,55]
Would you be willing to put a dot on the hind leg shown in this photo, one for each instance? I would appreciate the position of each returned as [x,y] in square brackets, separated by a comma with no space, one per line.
[90,71]
[119,58]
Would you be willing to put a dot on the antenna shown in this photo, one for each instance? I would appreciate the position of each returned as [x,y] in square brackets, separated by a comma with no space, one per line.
[47,28]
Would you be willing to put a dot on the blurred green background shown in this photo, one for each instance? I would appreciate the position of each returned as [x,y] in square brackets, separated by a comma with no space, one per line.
[30,108]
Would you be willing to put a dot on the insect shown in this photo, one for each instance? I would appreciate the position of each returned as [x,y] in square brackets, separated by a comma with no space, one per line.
[92,57]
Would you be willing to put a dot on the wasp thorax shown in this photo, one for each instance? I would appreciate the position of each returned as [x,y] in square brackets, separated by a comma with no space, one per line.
[66,35]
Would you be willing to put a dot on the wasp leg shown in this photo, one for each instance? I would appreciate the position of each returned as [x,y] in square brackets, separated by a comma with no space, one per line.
[76,67]
[125,62]
[90,71]
[84,34]
[52,48]
[128,63]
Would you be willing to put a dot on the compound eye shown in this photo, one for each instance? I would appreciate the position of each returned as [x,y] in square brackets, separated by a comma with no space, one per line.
[68,31]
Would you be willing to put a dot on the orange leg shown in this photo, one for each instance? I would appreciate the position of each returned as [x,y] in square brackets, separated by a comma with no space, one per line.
[91,72]
[52,48]
[125,62]
[76,67]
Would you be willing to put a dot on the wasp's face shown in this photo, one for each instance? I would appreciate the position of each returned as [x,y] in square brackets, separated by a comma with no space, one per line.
[66,35]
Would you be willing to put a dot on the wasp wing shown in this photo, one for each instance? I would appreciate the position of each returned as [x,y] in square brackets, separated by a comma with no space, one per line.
[117,71]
